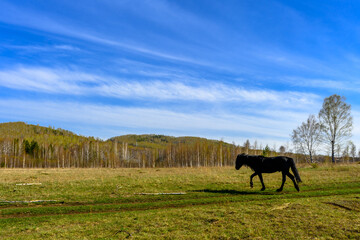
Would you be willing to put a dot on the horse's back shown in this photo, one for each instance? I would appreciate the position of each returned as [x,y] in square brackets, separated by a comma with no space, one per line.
[275,164]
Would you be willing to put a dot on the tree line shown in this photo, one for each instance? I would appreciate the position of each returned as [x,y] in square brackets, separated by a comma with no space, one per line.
[330,132]
[29,146]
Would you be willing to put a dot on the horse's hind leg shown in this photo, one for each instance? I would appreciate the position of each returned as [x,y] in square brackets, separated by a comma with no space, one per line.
[251,179]
[293,179]
[262,182]
[283,182]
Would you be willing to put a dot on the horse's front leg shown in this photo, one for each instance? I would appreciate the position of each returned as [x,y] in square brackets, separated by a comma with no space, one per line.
[283,182]
[262,182]
[251,179]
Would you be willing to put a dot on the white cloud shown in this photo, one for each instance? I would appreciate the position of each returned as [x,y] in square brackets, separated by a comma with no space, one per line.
[80,83]
[46,80]
[143,118]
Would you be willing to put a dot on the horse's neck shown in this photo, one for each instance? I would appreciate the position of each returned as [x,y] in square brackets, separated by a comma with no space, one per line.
[252,163]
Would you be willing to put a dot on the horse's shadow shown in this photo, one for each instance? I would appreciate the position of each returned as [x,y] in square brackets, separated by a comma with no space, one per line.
[232,192]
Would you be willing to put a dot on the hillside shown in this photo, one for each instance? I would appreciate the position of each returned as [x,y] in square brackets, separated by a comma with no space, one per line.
[25,145]
[160,141]
[23,130]
[50,135]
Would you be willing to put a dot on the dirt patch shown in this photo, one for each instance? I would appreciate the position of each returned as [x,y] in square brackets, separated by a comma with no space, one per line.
[286,205]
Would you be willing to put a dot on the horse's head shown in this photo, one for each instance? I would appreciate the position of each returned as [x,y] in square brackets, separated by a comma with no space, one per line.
[240,160]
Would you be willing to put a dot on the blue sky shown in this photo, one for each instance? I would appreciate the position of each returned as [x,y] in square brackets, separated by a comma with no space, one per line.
[231,70]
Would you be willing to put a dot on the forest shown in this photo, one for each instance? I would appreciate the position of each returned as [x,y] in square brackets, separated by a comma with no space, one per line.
[32,146]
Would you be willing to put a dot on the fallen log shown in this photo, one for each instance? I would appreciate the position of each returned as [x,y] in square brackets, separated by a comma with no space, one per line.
[27,184]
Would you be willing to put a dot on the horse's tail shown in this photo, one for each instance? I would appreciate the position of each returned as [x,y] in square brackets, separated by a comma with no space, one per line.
[294,170]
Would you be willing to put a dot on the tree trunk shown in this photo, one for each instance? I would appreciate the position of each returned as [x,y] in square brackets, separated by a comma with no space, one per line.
[332,151]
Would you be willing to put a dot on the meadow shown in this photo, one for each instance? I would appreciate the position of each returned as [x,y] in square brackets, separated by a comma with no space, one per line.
[178,203]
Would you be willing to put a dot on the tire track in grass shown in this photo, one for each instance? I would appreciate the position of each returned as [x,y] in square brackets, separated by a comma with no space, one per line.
[224,193]
[195,201]
[190,196]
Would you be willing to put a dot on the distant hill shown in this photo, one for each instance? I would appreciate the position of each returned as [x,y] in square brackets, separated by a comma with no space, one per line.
[25,145]
[24,130]
[160,141]
[42,135]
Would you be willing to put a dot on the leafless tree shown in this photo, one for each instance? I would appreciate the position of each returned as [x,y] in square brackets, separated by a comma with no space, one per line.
[255,147]
[352,151]
[307,136]
[336,121]
[6,148]
[337,150]
[247,146]
[282,149]
[346,153]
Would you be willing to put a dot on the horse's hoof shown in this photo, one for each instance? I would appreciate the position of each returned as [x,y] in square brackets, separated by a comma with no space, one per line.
[279,190]
[251,185]
[262,189]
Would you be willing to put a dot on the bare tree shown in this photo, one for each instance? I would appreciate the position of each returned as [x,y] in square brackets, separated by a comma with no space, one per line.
[247,146]
[6,151]
[352,151]
[255,147]
[282,149]
[307,136]
[346,153]
[336,121]
[274,148]
[337,150]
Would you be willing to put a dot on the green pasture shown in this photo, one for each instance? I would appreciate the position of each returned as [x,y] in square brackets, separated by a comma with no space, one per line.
[178,203]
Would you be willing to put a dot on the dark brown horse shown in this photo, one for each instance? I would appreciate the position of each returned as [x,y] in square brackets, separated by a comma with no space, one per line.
[260,164]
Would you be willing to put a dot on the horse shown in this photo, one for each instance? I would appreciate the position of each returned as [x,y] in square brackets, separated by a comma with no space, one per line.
[261,164]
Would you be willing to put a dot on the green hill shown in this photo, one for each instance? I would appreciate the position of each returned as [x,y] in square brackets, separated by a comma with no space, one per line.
[23,130]
[160,141]
[25,145]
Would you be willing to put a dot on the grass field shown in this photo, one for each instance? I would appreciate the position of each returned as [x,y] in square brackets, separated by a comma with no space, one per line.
[215,203]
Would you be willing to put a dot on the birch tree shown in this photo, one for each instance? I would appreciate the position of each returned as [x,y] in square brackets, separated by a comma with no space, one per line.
[352,151]
[307,136]
[336,121]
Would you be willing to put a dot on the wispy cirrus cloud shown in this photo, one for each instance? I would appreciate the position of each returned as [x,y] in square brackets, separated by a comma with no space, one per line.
[70,82]
[323,83]
[252,57]
[40,21]
[46,80]
[42,48]
[145,119]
